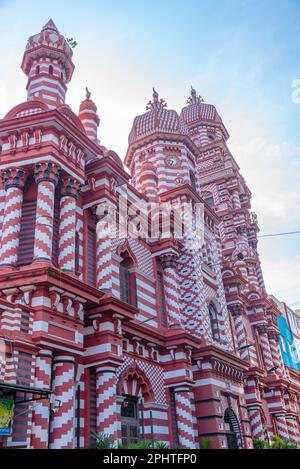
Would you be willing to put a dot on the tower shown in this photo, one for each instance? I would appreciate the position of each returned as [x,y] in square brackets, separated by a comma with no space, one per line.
[47,62]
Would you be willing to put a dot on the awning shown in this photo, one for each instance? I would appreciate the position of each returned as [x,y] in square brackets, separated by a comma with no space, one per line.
[41,393]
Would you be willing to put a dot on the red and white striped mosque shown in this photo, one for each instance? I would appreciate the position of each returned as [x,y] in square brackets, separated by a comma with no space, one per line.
[136,337]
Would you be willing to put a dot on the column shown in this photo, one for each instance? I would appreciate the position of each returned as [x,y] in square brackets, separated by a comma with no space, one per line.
[184,417]
[107,415]
[265,345]
[275,351]
[46,176]
[256,423]
[104,228]
[292,428]
[63,412]
[14,180]
[41,409]
[281,426]
[168,262]
[236,311]
[67,224]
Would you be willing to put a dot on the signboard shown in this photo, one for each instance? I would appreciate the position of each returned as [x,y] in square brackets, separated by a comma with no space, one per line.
[6,416]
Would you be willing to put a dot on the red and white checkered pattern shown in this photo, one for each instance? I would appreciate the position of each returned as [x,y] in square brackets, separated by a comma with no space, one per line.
[41,410]
[153,372]
[62,416]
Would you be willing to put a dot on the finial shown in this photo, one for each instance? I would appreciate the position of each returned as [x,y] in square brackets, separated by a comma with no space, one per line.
[193,99]
[87,93]
[156,103]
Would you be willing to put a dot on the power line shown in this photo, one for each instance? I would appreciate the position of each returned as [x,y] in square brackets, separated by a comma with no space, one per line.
[278,234]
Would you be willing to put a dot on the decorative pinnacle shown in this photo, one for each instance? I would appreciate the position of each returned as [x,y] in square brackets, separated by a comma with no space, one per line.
[193,99]
[87,93]
[157,103]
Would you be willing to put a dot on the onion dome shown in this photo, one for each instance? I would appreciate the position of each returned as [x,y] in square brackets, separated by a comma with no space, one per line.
[49,43]
[197,110]
[156,119]
[88,116]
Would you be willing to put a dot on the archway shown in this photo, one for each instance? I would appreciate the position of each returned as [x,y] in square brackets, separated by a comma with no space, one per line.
[233,430]
[134,389]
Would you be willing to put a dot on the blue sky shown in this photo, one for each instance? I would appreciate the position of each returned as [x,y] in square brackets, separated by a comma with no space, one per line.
[241,55]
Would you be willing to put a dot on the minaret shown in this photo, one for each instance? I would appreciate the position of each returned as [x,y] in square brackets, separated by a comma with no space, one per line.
[47,62]
[89,117]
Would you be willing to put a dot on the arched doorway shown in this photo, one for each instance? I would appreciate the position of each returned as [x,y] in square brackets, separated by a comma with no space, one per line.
[135,390]
[233,430]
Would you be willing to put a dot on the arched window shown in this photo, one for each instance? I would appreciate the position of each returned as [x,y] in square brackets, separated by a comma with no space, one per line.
[27,229]
[193,180]
[50,70]
[213,316]
[161,297]
[127,282]
[233,430]
[37,70]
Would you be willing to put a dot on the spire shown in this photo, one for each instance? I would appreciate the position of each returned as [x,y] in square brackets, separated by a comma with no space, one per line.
[50,25]
[157,103]
[47,62]
[193,98]
[88,116]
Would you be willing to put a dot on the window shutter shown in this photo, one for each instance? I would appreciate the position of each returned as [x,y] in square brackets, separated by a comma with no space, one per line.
[91,256]
[77,243]
[161,299]
[93,403]
[26,243]
[125,293]
[173,418]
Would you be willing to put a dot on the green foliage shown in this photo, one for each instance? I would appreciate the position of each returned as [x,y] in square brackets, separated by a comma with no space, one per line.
[102,441]
[205,443]
[277,443]
[144,444]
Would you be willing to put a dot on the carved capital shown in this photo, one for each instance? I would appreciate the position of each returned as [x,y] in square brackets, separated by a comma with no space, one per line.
[70,187]
[14,177]
[236,309]
[168,261]
[47,171]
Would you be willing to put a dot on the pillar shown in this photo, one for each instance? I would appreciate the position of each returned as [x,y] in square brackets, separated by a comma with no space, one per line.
[281,426]
[14,180]
[265,345]
[275,351]
[184,417]
[236,311]
[292,428]
[67,224]
[46,176]
[106,390]
[63,411]
[171,288]
[256,423]
[104,219]
[41,409]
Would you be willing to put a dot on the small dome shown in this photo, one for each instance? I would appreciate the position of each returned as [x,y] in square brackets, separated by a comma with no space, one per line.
[197,110]
[114,156]
[156,119]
